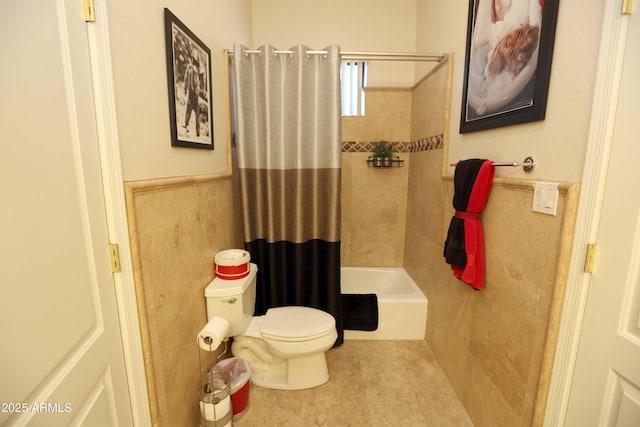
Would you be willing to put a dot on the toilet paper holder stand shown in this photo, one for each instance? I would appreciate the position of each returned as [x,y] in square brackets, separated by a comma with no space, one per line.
[210,362]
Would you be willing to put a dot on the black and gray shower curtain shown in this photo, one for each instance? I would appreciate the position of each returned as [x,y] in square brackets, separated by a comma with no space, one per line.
[289,148]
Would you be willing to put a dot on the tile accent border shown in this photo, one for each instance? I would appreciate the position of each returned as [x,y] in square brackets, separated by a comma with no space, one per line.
[434,142]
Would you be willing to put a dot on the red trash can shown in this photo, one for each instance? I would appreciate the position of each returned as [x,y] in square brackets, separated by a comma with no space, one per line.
[240,373]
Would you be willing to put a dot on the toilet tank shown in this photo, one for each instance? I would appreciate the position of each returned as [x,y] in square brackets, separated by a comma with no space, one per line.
[233,300]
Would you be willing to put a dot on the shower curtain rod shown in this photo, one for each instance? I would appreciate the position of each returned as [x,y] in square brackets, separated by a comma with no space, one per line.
[371,56]
[392,56]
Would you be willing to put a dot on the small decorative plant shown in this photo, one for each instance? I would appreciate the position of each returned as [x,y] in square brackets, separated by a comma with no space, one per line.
[382,154]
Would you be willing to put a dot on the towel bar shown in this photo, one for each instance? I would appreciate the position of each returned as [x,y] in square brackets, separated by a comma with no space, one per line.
[527,164]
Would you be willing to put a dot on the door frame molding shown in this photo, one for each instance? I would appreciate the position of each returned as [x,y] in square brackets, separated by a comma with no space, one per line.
[607,84]
[113,183]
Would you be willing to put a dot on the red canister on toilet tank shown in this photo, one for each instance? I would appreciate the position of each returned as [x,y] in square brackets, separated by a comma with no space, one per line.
[232,264]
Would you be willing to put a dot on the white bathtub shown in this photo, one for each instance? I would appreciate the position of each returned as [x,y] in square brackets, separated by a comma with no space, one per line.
[402,306]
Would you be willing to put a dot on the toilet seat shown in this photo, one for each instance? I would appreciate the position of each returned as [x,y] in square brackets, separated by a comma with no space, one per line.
[296,324]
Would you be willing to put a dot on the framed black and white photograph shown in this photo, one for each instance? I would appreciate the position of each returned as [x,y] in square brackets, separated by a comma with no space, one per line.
[507,63]
[189,79]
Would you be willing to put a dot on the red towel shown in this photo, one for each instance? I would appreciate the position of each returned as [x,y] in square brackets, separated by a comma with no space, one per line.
[464,248]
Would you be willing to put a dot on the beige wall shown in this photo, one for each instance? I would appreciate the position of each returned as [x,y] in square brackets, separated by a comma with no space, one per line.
[558,142]
[139,67]
[428,26]
[355,25]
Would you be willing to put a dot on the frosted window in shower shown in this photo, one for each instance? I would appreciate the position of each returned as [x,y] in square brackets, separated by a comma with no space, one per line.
[353,79]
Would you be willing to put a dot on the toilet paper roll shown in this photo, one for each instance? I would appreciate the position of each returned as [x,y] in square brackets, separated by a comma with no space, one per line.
[215,412]
[215,399]
[213,333]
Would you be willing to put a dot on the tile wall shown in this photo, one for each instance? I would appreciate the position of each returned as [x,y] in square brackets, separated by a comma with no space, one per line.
[176,228]
[496,345]
[374,199]
[500,341]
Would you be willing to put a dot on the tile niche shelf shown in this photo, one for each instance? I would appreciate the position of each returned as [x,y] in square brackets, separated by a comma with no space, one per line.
[384,162]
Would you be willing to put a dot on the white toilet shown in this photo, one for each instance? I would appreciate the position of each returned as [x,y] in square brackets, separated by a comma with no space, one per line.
[286,347]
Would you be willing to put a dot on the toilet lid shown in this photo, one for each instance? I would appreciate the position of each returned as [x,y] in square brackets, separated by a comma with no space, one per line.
[295,322]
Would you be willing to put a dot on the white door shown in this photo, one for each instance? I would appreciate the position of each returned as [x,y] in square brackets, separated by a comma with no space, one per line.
[606,386]
[61,360]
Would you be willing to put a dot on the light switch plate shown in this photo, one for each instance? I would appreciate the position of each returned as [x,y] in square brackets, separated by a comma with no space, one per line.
[545,198]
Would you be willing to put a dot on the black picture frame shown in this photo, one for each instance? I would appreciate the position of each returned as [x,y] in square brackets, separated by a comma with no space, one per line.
[189,82]
[503,85]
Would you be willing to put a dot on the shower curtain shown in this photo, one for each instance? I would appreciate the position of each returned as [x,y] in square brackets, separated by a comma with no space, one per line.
[289,148]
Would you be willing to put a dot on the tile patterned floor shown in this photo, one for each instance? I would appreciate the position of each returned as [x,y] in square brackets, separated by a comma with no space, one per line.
[373,383]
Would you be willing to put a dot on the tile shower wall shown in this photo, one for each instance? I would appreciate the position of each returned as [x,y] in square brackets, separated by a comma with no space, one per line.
[374,199]
[176,228]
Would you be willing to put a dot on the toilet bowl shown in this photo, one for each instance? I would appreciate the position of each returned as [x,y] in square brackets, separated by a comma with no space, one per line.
[286,347]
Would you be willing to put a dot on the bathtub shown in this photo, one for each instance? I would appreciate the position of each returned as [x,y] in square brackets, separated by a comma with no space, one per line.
[402,306]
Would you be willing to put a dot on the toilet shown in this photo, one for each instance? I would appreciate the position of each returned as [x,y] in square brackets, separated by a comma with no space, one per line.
[285,347]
